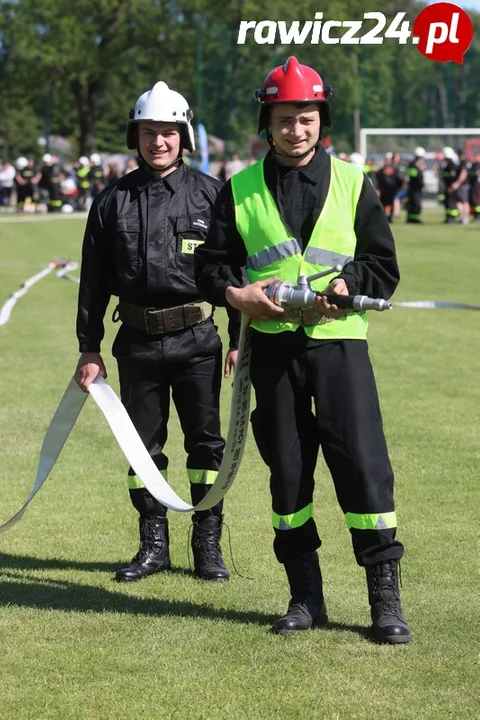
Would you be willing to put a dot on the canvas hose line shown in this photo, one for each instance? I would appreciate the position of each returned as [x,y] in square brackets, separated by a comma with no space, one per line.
[132,446]
[63,265]
[436,305]
[125,433]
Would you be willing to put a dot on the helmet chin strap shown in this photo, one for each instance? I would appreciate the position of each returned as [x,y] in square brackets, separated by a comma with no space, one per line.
[154,169]
[147,165]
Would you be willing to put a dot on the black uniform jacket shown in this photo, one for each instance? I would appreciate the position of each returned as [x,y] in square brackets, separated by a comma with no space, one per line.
[139,245]
[300,195]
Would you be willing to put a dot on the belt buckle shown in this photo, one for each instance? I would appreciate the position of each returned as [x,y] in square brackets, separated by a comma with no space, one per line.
[174,323]
[152,324]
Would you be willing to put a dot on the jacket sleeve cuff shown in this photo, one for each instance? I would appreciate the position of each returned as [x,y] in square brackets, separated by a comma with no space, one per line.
[89,347]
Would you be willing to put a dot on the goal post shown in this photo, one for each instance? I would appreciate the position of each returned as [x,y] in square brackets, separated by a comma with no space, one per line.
[376,142]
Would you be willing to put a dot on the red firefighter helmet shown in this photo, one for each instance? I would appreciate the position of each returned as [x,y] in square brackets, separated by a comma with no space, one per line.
[293,83]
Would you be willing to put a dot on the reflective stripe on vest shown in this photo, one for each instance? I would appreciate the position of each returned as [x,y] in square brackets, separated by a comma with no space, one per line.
[271,250]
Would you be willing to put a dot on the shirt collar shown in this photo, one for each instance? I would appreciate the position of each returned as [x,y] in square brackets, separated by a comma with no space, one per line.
[311,172]
[173,180]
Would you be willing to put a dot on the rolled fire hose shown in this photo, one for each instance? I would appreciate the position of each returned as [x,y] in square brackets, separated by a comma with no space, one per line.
[132,446]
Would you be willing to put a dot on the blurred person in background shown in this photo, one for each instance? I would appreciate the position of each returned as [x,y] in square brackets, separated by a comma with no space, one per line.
[388,182]
[447,174]
[475,187]
[96,176]
[358,160]
[82,172]
[233,166]
[7,179]
[222,171]
[53,174]
[139,245]
[113,173]
[461,187]
[26,179]
[415,186]
[131,165]
[402,192]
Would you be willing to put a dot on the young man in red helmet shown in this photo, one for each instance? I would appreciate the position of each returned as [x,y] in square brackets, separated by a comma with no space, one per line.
[138,245]
[295,213]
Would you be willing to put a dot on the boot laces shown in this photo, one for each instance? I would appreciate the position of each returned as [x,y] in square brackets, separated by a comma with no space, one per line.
[208,542]
[214,552]
[150,543]
[385,592]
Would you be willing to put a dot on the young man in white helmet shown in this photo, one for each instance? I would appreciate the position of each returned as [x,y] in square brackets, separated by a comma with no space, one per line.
[138,245]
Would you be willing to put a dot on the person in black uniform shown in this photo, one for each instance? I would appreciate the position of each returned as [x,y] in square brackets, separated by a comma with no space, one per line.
[461,186]
[389,181]
[96,175]
[53,173]
[138,245]
[82,172]
[475,187]
[448,174]
[415,186]
[26,179]
[298,210]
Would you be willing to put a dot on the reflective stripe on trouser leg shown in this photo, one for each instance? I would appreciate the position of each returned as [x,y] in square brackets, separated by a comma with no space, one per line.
[134,483]
[199,487]
[202,477]
[294,520]
[371,521]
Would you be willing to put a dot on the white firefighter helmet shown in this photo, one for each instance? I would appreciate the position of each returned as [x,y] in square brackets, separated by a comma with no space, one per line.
[84,161]
[161,104]
[21,163]
[68,187]
[448,153]
[95,159]
[358,160]
[419,152]
[47,159]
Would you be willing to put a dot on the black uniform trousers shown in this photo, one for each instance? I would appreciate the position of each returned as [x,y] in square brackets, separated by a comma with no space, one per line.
[314,394]
[450,204]
[387,199]
[414,207]
[186,365]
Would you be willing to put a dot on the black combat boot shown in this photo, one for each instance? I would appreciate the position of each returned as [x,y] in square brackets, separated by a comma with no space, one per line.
[306,608]
[153,555]
[388,622]
[207,553]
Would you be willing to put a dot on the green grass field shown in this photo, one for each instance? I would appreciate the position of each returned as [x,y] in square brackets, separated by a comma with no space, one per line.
[75,644]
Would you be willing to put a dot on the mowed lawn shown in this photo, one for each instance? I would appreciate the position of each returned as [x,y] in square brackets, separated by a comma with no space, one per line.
[75,644]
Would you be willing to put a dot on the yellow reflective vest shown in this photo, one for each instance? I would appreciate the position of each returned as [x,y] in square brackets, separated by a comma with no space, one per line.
[271,250]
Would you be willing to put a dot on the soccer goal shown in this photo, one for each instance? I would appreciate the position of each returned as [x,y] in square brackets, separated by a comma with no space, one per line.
[376,142]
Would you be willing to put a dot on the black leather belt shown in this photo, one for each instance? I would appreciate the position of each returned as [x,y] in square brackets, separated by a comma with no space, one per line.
[165,320]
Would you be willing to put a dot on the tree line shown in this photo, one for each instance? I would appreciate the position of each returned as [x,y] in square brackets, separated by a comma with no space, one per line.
[76,68]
